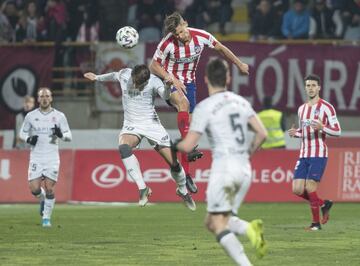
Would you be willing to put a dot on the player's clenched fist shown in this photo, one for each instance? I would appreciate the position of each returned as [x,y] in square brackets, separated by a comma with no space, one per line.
[292,131]
[32,140]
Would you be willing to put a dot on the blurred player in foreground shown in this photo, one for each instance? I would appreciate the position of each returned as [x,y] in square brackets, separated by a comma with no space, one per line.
[175,60]
[317,118]
[226,118]
[139,89]
[41,129]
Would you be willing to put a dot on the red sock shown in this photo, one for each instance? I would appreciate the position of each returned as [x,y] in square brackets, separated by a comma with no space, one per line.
[183,125]
[304,195]
[315,203]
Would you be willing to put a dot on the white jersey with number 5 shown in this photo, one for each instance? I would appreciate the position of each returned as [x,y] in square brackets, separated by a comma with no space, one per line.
[41,124]
[224,117]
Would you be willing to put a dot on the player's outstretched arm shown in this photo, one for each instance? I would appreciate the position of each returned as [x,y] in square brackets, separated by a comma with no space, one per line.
[260,133]
[91,76]
[227,53]
[104,78]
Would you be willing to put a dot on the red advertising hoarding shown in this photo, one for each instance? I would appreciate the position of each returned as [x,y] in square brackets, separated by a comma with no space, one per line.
[99,175]
[14,171]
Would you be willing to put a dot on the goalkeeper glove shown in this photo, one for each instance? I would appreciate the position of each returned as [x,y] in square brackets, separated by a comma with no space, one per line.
[32,140]
[57,131]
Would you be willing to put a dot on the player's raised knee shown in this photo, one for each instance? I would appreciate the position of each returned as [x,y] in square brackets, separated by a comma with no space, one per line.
[125,151]
[298,191]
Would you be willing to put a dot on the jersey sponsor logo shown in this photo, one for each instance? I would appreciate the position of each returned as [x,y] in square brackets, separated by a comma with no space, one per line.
[306,122]
[107,175]
[184,60]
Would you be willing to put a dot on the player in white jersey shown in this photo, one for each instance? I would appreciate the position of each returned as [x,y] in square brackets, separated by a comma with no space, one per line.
[317,118]
[176,60]
[41,129]
[139,89]
[225,118]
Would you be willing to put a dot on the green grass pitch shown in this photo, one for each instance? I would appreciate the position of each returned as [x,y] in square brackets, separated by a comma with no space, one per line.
[169,234]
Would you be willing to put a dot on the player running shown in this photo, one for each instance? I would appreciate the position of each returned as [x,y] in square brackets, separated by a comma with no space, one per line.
[139,89]
[317,118]
[41,129]
[225,118]
[175,61]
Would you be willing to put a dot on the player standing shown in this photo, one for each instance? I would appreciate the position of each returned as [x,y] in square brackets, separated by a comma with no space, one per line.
[175,61]
[225,117]
[139,89]
[41,129]
[317,118]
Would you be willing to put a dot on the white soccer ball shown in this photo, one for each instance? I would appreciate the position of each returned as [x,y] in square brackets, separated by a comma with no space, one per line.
[127,37]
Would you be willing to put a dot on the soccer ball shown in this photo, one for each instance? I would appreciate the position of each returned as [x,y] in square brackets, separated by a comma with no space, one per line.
[127,37]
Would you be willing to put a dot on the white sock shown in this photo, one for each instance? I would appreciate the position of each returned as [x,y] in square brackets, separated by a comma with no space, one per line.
[180,179]
[237,226]
[48,208]
[133,169]
[234,249]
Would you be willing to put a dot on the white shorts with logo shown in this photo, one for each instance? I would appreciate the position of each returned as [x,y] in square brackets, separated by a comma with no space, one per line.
[154,133]
[229,182]
[49,169]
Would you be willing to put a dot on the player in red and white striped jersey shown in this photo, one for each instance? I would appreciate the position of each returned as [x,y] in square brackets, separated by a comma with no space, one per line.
[317,118]
[175,61]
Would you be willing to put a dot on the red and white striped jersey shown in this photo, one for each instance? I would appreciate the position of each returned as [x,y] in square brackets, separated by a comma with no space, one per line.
[179,59]
[313,141]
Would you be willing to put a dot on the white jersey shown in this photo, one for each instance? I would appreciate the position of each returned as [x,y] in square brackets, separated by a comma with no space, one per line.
[224,117]
[138,105]
[41,124]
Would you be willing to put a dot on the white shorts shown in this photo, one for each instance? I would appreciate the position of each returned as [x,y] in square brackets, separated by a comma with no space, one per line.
[229,182]
[44,169]
[155,133]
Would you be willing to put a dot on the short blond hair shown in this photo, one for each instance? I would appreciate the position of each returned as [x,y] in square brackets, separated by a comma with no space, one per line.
[172,22]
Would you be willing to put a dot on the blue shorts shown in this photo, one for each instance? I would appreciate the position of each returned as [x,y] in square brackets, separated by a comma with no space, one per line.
[191,95]
[310,168]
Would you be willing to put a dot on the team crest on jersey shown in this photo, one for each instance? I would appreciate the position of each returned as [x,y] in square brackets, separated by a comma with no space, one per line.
[197,49]
[317,112]
[53,119]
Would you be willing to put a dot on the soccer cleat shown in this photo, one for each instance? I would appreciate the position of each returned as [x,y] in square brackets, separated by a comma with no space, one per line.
[46,222]
[42,205]
[325,209]
[189,202]
[255,233]
[194,154]
[144,196]
[313,227]
[190,185]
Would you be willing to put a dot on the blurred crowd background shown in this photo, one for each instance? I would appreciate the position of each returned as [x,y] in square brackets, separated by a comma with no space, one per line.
[95,20]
